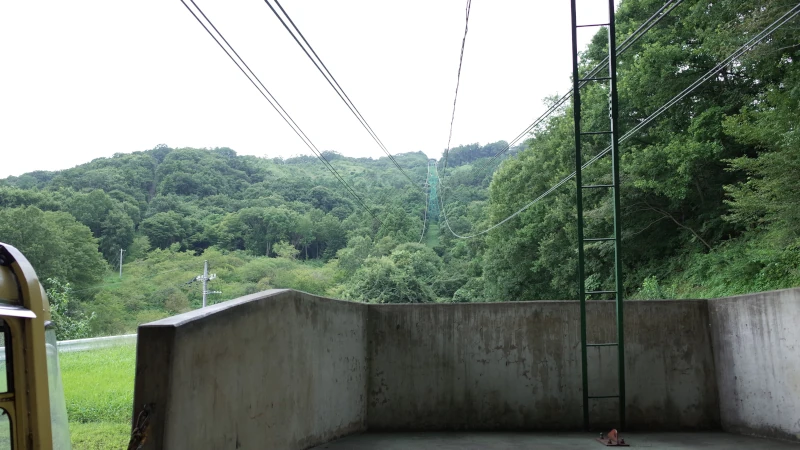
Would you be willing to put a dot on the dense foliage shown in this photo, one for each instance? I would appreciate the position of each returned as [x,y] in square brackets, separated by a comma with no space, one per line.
[260,222]
[709,191]
[709,195]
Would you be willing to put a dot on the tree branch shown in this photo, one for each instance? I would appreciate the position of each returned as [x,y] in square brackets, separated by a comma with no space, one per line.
[669,216]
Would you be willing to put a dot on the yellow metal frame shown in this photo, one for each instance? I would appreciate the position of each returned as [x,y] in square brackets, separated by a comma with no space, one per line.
[30,400]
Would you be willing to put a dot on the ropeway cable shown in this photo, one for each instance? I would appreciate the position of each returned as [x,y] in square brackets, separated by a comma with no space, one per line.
[708,75]
[662,12]
[458,83]
[274,103]
[427,202]
[625,45]
[332,81]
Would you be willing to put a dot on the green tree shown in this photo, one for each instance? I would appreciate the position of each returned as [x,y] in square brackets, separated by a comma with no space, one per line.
[286,250]
[55,243]
[770,196]
[165,228]
[109,219]
[70,323]
[116,233]
[257,229]
[402,277]
[381,280]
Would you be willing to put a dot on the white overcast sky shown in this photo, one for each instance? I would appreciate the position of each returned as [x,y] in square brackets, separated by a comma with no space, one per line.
[89,78]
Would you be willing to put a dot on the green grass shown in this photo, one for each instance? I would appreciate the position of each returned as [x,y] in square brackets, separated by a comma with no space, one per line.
[98,387]
[99,435]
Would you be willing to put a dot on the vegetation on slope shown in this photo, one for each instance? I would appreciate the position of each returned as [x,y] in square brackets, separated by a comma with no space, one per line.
[709,191]
[709,196]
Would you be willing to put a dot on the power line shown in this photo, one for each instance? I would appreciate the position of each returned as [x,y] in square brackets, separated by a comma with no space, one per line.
[458,83]
[680,96]
[625,45]
[427,200]
[440,194]
[274,102]
[276,105]
[332,82]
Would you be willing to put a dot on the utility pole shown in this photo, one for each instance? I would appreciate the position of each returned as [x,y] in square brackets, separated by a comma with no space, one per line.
[205,277]
[121,251]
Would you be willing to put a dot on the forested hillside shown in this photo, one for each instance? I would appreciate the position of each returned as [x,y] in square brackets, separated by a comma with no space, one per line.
[710,196]
[710,199]
[169,209]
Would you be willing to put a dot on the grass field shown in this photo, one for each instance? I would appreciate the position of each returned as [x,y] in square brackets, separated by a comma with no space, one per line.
[98,386]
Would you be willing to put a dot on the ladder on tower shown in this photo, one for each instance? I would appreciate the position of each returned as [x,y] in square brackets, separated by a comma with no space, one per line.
[612,136]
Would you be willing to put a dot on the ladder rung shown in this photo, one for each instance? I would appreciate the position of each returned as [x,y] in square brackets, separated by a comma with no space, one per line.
[606,344]
[594,186]
[599,292]
[599,239]
[603,396]
[592,25]
[595,79]
[596,132]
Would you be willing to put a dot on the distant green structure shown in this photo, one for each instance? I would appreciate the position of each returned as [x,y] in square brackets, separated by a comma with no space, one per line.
[433,194]
[431,233]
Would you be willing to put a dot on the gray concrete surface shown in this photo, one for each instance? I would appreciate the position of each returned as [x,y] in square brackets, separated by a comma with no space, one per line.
[757,349]
[549,441]
[495,366]
[287,370]
[279,369]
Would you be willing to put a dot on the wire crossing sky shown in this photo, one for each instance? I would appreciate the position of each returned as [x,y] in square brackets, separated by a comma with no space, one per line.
[754,41]
[89,79]
[458,83]
[332,81]
[272,101]
[626,44]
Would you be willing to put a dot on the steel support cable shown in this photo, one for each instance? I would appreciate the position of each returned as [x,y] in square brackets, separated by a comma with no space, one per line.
[440,193]
[625,45]
[662,12]
[279,108]
[789,15]
[332,82]
[274,103]
[427,201]
[458,83]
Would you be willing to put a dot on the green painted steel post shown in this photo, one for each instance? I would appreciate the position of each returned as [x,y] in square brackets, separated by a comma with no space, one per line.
[576,111]
[613,109]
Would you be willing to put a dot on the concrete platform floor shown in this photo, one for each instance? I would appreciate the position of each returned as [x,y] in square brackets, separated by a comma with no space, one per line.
[550,441]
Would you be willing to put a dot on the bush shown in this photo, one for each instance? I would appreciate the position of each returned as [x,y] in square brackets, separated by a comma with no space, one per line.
[70,323]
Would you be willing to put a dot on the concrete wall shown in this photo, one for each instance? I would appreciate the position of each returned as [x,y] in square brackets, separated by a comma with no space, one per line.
[279,369]
[757,350]
[283,369]
[517,366]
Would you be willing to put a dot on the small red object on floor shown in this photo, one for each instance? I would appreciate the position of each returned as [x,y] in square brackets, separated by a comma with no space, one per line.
[612,439]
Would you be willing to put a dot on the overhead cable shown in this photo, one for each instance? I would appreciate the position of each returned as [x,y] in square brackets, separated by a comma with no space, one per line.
[427,202]
[789,15]
[273,102]
[458,83]
[306,47]
[621,48]
[624,45]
